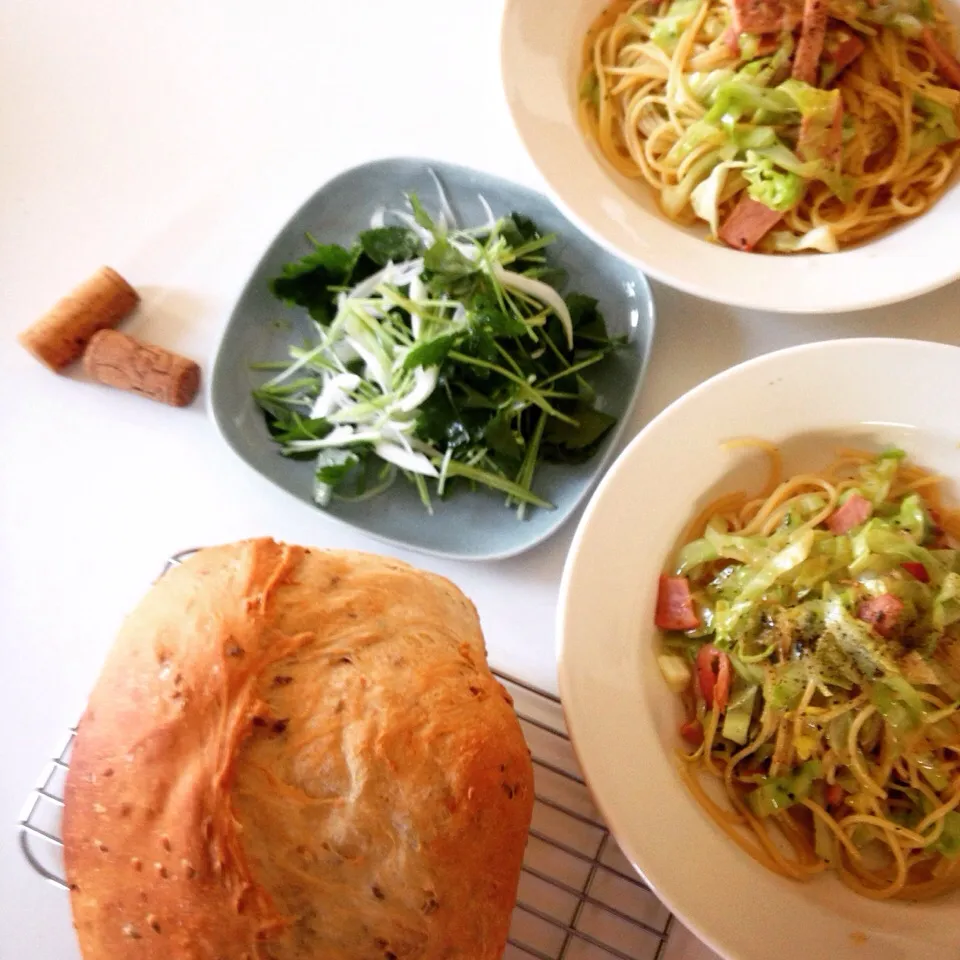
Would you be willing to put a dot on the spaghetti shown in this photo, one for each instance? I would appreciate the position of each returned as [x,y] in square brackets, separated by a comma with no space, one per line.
[813,635]
[676,94]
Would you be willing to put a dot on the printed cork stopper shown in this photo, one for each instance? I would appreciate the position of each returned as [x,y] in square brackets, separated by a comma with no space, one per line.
[121,361]
[60,336]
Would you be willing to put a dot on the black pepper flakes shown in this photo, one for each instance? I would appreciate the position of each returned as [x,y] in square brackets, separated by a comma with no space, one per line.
[235,650]
[280,725]
[282,681]
[378,893]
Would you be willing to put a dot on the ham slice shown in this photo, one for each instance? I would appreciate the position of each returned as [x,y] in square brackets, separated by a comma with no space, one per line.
[882,613]
[841,48]
[947,64]
[813,33]
[766,16]
[675,605]
[748,224]
[854,511]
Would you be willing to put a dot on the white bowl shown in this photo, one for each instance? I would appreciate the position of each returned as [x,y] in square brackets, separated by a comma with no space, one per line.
[541,49]
[622,717]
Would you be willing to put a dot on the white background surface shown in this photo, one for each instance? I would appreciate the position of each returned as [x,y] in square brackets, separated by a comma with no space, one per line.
[171,140]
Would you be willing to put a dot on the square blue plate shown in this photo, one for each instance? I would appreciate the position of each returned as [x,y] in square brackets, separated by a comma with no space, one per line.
[467,526]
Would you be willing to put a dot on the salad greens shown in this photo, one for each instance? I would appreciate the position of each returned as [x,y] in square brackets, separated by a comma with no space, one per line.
[442,353]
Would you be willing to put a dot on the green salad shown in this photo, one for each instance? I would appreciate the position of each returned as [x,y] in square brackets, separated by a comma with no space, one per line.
[446,355]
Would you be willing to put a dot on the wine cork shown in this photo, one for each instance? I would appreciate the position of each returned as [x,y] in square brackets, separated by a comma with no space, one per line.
[121,361]
[60,336]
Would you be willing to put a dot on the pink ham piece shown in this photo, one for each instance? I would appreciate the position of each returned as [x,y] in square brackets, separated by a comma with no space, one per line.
[675,605]
[841,48]
[882,613]
[852,513]
[748,224]
[766,16]
[806,59]
[947,63]
[814,146]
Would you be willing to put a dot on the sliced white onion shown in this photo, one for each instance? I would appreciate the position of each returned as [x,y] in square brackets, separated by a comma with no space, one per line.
[444,466]
[470,250]
[542,291]
[417,293]
[446,211]
[488,210]
[405,459]
[399,274]
[335,394]
[375,368]
[411,221]
[335,438]
[424,383]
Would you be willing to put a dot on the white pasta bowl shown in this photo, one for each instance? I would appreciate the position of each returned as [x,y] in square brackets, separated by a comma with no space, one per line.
[624,720]
[541,48]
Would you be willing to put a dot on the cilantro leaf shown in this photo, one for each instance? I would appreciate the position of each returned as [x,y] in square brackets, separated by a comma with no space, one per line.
[502,438]
[431,353]
[306,282]
[587,320]
[441,422]
[517,230]
[491,318]
[332,468]
[420,214]
[565,443]
[386,244]
[334,465]
[447,263]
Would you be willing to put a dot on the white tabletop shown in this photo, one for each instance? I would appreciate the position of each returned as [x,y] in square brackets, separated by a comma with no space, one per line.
[171,141]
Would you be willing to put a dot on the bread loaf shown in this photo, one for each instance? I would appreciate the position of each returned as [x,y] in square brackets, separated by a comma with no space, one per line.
[297,755]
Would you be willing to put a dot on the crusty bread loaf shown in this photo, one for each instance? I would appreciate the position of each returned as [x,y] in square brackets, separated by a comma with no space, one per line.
[297,754]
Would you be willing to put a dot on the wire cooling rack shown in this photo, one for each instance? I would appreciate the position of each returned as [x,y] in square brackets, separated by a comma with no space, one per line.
[579,898]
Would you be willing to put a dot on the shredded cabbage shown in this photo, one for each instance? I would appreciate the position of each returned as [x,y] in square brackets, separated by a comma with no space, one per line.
[776,189]
[707,195]
[818,238]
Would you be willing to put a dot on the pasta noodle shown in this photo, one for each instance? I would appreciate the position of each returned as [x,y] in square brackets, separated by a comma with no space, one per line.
[651,97]
[833,734]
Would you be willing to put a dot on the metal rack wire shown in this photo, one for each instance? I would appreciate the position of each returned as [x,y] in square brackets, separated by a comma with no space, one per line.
[579,898]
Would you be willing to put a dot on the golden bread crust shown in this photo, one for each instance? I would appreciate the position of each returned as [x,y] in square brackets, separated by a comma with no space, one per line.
[297,754]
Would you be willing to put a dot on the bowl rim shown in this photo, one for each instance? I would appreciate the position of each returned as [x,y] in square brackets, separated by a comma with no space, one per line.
[598,465]
[791,285]
[621,829]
